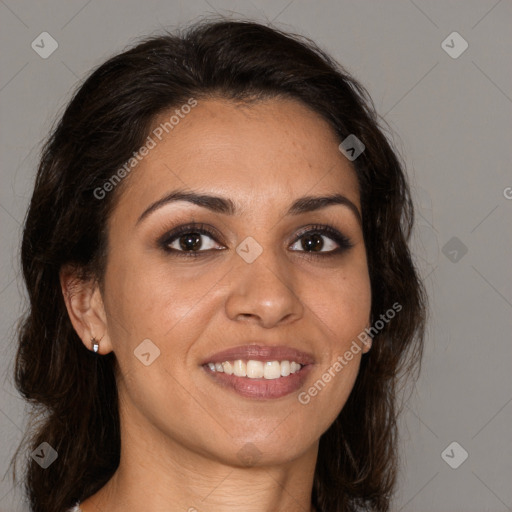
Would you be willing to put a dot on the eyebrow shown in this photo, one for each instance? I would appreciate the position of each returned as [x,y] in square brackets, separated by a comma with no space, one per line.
[228,207]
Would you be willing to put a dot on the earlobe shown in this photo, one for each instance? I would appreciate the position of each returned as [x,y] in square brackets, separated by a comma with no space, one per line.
[95,344]
[85,309]
[367,340]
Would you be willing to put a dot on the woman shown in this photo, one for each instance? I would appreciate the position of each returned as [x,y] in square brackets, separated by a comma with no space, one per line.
[222,300]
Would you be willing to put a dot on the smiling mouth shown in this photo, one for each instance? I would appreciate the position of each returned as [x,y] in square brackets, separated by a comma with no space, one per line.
[259,380]
[259,371]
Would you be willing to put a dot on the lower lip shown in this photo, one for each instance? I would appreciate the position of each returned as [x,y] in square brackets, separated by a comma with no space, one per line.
[261,388]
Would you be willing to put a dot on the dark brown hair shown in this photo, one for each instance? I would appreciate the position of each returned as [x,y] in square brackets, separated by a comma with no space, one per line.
[73,391]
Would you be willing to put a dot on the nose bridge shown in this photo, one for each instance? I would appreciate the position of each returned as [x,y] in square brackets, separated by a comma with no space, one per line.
[261,285]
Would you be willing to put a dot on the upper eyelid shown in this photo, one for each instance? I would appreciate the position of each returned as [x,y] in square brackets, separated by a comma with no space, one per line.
[324,229]
[190,228]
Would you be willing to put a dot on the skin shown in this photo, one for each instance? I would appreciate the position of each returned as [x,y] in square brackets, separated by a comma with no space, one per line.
[182,433]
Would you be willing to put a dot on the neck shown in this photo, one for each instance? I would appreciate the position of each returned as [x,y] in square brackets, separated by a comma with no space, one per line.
[159,474]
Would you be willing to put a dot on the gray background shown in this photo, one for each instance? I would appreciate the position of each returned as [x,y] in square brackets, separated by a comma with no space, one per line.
[452,120]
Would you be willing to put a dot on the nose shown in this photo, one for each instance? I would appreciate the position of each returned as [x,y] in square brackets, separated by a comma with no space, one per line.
[263,292]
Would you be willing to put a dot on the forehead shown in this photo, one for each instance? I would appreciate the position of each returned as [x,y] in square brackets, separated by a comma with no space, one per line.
[267,152]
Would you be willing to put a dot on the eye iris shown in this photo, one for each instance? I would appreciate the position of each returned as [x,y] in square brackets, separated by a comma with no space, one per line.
[312,242]
[190,242]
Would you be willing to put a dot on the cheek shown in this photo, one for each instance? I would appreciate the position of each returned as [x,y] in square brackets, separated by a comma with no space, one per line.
[342,310]
[151,299]
[344,307]
[342,303]
[158,395]
[328,394]
[169,307]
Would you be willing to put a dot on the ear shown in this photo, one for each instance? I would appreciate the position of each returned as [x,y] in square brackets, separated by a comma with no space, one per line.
[366,344]
[367,340]
[85,308]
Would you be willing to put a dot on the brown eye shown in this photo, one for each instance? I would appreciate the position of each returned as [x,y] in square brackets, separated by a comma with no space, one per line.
[321,241]
[190,242]
[312,242]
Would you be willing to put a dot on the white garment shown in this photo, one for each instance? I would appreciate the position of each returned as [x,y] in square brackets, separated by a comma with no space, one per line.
[76,508]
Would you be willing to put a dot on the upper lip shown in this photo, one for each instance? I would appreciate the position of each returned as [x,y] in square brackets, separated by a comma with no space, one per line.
[261,353]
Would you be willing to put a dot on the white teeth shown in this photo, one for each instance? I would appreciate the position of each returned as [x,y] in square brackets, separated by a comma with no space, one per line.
[228,368]
[239,368]
[294,367]
[256,369]
[272,370]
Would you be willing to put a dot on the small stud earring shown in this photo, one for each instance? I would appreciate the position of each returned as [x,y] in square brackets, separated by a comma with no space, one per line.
[95,345]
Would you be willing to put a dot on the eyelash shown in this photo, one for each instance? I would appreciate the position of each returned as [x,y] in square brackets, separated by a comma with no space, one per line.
[341,240]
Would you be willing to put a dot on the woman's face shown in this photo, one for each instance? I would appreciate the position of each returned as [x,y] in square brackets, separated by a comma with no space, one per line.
[253,279]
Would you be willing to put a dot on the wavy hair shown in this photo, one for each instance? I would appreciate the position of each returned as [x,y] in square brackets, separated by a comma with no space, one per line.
[73,392]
